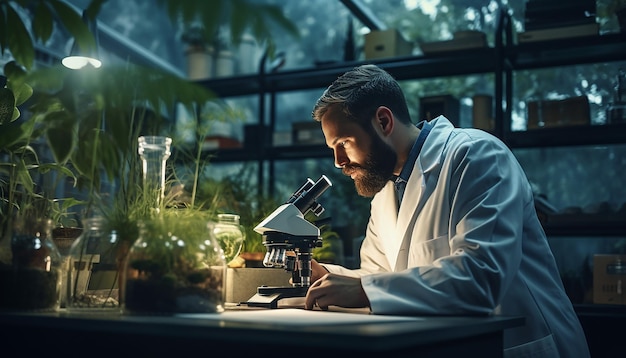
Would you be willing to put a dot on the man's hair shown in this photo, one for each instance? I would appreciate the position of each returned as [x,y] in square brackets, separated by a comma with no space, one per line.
[359,92]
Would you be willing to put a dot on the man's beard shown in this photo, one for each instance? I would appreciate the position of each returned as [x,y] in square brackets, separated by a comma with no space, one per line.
[377,170]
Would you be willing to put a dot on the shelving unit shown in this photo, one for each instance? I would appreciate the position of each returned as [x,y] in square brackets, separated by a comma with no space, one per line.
[565,52]
[505,58]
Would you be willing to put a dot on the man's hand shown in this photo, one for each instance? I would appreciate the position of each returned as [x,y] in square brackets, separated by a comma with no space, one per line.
[317,271]
[336,290]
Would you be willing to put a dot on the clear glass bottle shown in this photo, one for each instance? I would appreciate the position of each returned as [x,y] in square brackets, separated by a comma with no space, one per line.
[176,266]
[229,234]
[154,152]
[30,272]
[92,275]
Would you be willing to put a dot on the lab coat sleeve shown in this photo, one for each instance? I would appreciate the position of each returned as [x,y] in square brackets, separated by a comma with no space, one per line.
[482,194]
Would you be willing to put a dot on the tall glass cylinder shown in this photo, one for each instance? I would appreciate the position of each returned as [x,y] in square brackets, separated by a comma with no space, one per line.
[154,152]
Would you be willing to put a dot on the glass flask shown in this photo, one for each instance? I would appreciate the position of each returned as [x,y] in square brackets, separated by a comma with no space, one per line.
[176,266]
[30,267]
[92,276]
[229,234]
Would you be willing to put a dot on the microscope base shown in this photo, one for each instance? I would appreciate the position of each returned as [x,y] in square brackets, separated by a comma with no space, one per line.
[268,297]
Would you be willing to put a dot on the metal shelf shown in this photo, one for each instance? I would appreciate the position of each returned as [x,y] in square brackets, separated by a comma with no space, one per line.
[590,225]
[569,51]
[274,153]
[568,136]
[450,63]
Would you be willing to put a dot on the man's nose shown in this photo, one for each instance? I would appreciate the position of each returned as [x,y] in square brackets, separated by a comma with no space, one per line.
[341,160]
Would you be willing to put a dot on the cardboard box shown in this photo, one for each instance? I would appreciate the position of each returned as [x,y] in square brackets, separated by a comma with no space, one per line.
[220,142]
[309,132]
[462,40]
[242,283]
[282,138]
[386,43]
[558,113]
[444,105]
[609,279]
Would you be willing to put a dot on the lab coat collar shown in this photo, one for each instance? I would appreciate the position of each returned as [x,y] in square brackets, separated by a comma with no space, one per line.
[419,183]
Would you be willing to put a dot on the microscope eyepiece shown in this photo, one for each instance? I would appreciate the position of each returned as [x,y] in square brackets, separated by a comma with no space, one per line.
[309,193]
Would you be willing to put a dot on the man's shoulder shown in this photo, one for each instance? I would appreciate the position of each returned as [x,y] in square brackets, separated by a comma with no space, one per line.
[473,136]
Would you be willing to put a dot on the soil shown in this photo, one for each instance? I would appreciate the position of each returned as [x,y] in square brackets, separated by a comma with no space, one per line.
[28,289]
[161,296]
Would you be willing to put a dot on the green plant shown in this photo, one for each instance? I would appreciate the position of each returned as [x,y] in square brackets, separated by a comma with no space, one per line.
[607,9]
[93,117]
[23,173]
[240,195]
[176,265]
[239,16]
[331,250]
[615,5]
[202,21]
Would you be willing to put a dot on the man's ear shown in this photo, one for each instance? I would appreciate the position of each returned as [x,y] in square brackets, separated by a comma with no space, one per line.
[384,120]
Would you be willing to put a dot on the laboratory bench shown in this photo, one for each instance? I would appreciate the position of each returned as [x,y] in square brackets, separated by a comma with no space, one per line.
[267,332]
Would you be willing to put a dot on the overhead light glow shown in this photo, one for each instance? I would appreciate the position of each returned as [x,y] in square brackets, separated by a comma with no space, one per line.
[78,62]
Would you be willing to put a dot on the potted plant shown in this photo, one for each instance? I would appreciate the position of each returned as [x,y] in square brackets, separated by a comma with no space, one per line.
[610,10]
[620,13]
[176,266]
[199,53]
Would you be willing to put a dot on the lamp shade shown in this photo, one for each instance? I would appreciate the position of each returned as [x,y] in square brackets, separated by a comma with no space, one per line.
[80,57]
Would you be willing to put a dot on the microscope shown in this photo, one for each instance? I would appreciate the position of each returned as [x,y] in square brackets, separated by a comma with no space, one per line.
[290,239]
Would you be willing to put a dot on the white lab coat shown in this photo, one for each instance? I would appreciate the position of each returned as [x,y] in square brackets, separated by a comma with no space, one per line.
[466,240]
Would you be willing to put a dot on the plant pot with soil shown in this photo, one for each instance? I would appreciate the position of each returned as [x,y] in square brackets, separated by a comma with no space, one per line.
[176,266]
[30,280]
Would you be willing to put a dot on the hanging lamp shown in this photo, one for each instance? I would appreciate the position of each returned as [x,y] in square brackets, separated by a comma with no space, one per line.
[80,57]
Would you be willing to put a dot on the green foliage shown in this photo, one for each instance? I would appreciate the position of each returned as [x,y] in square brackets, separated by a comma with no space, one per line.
[331,250]
[21,42]
[90,119]
[21,166]
[240,195]
[203,20]
[176,242]
[106,111]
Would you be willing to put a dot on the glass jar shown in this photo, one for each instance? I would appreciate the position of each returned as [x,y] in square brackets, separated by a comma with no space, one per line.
[176,266]
[92,275]
[31,268]
[229,234]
